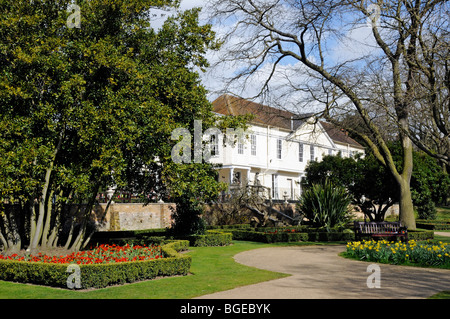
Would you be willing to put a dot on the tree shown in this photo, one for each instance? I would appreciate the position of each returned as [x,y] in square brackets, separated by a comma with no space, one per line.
[85,107]
[376,77]
[367,178]
[369,183]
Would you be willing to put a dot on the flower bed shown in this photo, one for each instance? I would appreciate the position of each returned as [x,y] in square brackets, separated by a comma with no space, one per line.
[411,253]
[107,265]
[99,255]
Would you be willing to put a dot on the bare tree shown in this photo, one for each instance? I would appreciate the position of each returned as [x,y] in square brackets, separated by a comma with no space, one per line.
[366,58]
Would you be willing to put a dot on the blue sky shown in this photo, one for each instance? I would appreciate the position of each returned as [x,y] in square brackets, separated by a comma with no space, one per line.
[358,41]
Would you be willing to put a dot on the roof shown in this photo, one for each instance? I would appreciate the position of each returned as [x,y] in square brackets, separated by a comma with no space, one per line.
[265,115]
[339,135]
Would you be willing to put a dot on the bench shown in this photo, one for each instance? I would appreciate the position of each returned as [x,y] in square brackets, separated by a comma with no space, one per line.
[380,229]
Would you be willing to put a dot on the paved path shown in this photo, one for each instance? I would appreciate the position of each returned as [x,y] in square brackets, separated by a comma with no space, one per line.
[318,272]
[442,233]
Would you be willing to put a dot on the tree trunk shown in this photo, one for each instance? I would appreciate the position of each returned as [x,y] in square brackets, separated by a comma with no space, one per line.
[406,207]
[46,230]
[404,180]
[35,239]
[42,208]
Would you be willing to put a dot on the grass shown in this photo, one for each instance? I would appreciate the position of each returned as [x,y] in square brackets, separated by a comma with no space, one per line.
[213,269]
[441,295]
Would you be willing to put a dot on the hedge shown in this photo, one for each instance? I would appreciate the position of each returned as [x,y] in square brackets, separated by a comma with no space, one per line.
[278,235]
[433,224]
[235,226]
[420,234]
[100,275]
[211,238]
[275,237]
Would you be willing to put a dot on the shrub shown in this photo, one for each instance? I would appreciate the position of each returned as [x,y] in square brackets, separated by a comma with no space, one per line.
[427,210]
[187,217]
[420,234]
[326,205]
[211,238]
[436,224]
[274,235]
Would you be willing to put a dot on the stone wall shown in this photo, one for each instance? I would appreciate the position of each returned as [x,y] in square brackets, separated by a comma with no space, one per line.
[131,216]
[392,211]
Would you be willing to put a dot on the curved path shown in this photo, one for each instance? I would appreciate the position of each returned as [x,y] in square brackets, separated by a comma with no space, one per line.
[318,272]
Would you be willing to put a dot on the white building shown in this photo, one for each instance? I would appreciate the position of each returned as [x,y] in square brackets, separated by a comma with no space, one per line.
[278,147]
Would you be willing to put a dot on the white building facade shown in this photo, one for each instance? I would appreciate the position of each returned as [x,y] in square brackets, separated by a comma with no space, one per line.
[278,147]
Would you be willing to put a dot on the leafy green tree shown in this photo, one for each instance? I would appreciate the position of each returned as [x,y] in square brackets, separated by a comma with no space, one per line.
[370,184]
[91,107]
[366,177]
[430,185]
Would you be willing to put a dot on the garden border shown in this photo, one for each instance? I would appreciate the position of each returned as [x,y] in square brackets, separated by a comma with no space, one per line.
[304,233]
[100,275]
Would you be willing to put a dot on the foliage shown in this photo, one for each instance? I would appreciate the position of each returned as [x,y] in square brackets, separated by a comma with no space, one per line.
[437,255]
[367,177]
[325,205]
[434,224]
[288,236]
[84,109]
[361,177]
[187,217]
[211,238]
[430,185]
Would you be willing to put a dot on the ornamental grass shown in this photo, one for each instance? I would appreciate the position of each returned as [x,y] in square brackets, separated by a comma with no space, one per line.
[424,254]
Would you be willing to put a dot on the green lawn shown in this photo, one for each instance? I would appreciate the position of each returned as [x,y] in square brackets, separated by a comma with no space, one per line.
[213,269]
[441,295]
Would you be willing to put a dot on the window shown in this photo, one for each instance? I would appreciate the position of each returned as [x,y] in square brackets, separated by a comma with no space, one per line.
[253,144]
[237,178]
[275,186]
[330,151]
[240,147]
[279,148]
[311,151]
[214,142]
[300,152]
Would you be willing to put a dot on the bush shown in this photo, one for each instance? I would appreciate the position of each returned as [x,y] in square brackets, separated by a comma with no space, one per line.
[420,234]
[100,275]
[326,205]
[286,235]
[427,210]
[187,217]
[434,225]
[212,238]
